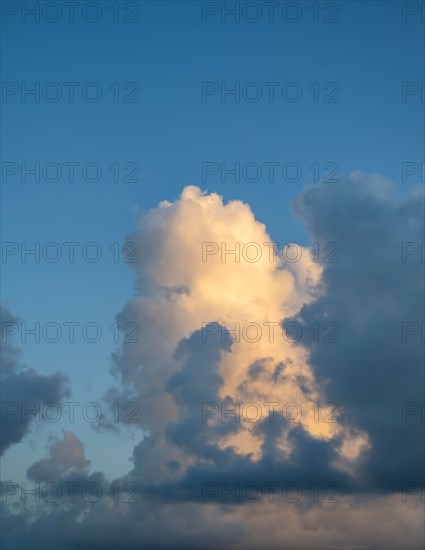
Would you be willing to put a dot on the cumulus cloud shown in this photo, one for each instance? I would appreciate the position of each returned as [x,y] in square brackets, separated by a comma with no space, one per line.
[22,388]
[376,295]
[66,457]
[187,277]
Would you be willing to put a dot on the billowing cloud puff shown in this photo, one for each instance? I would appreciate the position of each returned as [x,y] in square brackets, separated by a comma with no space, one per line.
[211,267]
[22,388]
[66,457]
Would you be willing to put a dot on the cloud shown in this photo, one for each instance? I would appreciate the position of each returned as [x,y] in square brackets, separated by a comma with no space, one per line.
[190,352]
[371,292]
[23,389]
[66,457]
[180,291]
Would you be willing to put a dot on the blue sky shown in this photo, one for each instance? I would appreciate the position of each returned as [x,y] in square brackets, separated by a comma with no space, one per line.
[169,133]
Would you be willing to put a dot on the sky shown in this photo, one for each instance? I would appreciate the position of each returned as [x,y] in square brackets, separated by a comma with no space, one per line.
[157,137]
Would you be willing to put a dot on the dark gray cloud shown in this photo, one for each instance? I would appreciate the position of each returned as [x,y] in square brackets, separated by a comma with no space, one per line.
[22,389]
[370,293]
